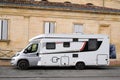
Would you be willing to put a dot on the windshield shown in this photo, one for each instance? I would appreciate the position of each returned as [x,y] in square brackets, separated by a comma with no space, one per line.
[31,48]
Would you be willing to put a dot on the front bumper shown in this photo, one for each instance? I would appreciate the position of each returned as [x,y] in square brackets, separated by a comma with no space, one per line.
[13,62]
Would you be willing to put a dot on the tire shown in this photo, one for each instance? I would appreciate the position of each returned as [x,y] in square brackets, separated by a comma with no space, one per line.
[80,66]
[23,64]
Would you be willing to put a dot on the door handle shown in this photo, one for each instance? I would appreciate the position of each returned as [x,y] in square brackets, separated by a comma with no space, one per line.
[37,54]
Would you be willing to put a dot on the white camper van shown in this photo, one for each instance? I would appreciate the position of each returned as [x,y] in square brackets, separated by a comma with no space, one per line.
[77,50]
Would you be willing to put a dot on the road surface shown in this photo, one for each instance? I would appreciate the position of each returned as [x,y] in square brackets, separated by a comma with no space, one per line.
[53,73]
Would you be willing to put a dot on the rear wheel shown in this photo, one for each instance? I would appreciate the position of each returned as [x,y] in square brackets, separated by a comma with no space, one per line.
[80,66]
[23,64]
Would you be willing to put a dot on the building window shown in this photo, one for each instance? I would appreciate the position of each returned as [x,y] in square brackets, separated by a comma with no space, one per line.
[49,27]
[78,28]
[3,29]
[50,45]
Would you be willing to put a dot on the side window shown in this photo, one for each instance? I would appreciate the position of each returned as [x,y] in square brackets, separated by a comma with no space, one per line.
[66,44]
[50,45]
[92,44]
[32,48]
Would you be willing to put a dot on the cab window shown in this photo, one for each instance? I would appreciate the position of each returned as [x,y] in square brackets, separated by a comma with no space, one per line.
[32,48]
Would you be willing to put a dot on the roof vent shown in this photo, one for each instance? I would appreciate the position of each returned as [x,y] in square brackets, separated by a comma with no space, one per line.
[89,4]
[44,0]
[36,0]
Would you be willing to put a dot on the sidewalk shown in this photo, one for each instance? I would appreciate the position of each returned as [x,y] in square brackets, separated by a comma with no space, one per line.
[115,63]
[4,62]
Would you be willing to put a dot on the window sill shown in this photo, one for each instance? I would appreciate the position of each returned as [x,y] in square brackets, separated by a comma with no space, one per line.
[6,41]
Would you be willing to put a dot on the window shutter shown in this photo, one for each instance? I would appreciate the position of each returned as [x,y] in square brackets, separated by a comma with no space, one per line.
[0,29]
[52,25]
[46,28]
[78,28]
[5,30]
[49,27]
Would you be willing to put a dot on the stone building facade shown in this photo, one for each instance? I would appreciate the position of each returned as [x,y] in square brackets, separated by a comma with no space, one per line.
[103,3]
[21,20]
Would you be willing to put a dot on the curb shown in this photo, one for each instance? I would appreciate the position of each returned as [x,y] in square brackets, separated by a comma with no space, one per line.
[115,63]
[5,58]
[5,62]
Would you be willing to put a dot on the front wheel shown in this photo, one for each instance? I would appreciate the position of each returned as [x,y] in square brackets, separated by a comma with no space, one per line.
[80,66]
[23,65]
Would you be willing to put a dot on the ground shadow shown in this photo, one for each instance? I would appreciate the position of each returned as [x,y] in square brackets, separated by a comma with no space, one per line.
[73,68]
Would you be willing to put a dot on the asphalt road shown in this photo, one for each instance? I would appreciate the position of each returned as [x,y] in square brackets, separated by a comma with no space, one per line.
[53,73]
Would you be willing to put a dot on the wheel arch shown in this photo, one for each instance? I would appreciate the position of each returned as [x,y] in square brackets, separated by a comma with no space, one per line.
[23,60]
[80,65]
[80,62]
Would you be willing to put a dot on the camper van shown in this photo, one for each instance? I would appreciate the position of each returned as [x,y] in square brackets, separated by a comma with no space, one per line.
[62,50]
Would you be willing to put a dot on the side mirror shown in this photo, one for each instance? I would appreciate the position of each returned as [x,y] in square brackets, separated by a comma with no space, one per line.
[37,54]
[25,51]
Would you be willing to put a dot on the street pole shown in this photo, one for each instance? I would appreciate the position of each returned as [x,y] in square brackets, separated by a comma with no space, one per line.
[103,3]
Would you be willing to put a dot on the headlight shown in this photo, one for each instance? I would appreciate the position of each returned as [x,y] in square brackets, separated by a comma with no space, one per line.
[12,59]
[14,55]
[17,54]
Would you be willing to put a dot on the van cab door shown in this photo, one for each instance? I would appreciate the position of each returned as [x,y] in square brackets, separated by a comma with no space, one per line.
[32,53]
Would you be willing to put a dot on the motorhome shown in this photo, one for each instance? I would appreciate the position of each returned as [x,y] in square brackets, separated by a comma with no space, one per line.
[77,50]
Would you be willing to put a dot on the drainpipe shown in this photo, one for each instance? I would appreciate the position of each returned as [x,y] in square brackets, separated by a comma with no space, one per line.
[103,3]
